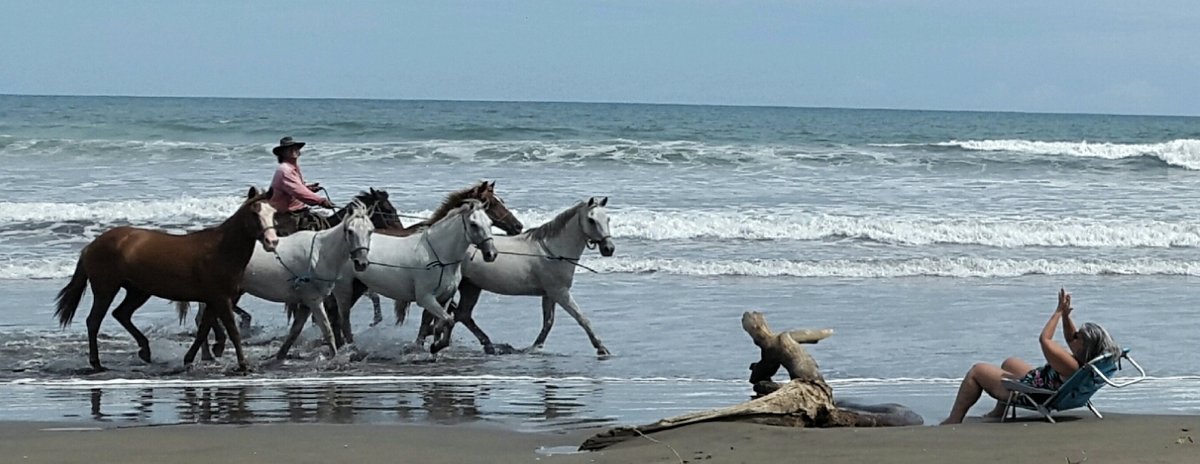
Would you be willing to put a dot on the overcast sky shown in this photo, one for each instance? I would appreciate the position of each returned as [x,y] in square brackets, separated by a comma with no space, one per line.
[1070,56]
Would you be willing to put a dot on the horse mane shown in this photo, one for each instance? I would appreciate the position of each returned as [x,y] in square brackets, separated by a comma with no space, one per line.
[453,200]
[554,226]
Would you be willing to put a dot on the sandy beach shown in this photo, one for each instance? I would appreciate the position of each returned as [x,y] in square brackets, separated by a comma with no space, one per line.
[1117,439]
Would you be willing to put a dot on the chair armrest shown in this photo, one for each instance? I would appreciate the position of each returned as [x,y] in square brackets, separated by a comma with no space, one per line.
[1026,389]
[1141,374]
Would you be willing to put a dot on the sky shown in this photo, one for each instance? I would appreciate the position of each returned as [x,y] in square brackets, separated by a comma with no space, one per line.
[1071,56]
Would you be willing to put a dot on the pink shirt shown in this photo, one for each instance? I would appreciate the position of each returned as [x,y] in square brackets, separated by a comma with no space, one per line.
[290,193]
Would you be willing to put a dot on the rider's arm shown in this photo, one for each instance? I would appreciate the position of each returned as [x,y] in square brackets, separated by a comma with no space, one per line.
[294,186]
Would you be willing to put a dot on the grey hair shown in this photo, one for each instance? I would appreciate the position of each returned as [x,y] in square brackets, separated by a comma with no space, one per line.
[1096,342]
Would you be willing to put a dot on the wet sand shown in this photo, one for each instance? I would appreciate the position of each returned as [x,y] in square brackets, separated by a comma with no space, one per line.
[1118,438]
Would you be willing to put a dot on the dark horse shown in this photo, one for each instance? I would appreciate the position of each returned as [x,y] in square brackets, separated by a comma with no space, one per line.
[205,266]
[493,206]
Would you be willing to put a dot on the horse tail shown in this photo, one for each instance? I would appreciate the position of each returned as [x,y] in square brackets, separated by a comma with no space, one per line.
[401,310]
[68,298]
[182,308]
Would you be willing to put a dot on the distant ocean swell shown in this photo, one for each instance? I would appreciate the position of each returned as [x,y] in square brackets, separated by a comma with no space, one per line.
[1183,153]
[667,225]
[61,267]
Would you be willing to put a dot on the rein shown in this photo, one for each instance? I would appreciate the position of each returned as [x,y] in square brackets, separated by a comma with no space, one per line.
[298,280]
[437,260]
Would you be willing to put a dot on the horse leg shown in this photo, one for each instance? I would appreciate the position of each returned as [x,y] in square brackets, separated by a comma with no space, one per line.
[299,317]
[441,337]
[468,297]
[547,322]
[426,328]
[218,332]
[102,297]
[333,314]
[321,320]
[219,337]
[205,324]
[432,306]
[565,300]
[224,309]
[378,310]
[245,320]
[357,289]
[134,299]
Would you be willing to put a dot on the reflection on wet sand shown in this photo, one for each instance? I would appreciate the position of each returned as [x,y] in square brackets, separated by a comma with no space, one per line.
[536,405]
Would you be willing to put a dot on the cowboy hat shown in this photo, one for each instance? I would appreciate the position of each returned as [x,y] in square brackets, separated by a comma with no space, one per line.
[286,143]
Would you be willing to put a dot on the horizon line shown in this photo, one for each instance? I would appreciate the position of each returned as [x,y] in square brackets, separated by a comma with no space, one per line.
[599,102]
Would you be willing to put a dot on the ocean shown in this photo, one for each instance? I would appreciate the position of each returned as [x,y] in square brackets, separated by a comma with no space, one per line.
[928,240]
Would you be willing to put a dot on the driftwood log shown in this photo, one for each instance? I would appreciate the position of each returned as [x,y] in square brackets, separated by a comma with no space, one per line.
[805,401]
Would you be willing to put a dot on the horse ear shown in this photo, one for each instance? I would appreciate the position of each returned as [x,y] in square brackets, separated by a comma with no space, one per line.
[492,186]
[591,202]
[254,192]
[604,201]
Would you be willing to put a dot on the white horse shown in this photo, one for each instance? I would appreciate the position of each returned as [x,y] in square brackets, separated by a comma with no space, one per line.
[305,267]
[539,262]
[424,268]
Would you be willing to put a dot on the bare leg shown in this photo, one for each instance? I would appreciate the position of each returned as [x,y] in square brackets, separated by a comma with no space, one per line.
[134,299]
[547,322]
[102,297]
[981,378]
[1014,368]
[568,303]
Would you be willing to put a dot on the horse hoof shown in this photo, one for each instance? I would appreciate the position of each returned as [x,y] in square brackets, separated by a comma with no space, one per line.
[505,348]
[96,369]
[603,352]
[145,355]
[489,349]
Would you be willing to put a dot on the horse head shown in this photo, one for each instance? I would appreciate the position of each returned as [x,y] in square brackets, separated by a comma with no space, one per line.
[594,222]
[262,217]
[496,209]
[478,227]
[358,229]
[382,213]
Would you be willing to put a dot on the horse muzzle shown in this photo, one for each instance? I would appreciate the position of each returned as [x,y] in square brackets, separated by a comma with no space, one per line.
[359,259]
[607,248]
[488,248]
[512,228]
[269,240]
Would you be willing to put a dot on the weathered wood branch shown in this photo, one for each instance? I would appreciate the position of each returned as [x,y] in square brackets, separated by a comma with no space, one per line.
[806,401]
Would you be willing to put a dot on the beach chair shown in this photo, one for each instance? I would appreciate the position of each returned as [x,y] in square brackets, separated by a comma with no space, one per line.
[1075,392]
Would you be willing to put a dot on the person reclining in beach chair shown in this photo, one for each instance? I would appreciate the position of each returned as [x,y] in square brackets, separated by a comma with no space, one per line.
[1086,344]
[1075,392]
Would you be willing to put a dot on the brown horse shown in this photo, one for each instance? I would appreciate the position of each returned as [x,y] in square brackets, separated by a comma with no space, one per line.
[202,266]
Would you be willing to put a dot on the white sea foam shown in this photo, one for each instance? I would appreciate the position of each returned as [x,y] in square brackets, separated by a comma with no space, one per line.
[1180,152]
[848,268]
[676,225]
[148,211]
[482,151]
[889,268]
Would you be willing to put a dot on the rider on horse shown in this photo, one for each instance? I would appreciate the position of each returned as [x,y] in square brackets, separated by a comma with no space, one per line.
[290,196]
